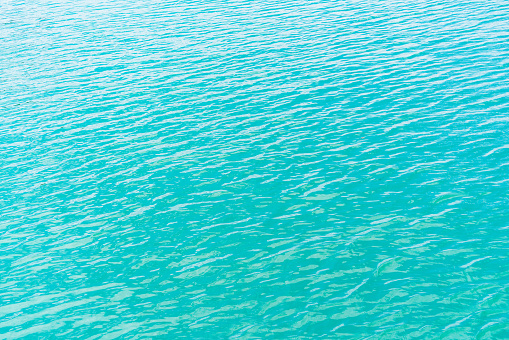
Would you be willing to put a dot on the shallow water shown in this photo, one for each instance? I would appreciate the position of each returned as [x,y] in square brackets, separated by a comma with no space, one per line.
[254,169]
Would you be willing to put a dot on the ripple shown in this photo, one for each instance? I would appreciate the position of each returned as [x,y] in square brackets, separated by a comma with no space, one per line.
[254,169]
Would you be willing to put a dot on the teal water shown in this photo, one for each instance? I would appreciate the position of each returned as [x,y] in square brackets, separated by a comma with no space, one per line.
[254,169]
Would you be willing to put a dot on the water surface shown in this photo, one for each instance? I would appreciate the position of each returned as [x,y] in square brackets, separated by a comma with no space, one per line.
[254,169]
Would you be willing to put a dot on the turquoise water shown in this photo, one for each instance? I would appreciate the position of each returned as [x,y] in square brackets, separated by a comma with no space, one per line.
[254,169]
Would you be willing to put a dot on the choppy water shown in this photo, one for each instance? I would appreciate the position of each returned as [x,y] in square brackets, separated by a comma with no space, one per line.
[254,169]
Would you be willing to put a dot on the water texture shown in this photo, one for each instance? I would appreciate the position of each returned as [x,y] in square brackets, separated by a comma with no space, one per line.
[254,169]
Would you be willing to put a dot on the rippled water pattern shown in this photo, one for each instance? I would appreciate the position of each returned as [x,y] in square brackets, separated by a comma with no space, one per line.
[254,169]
